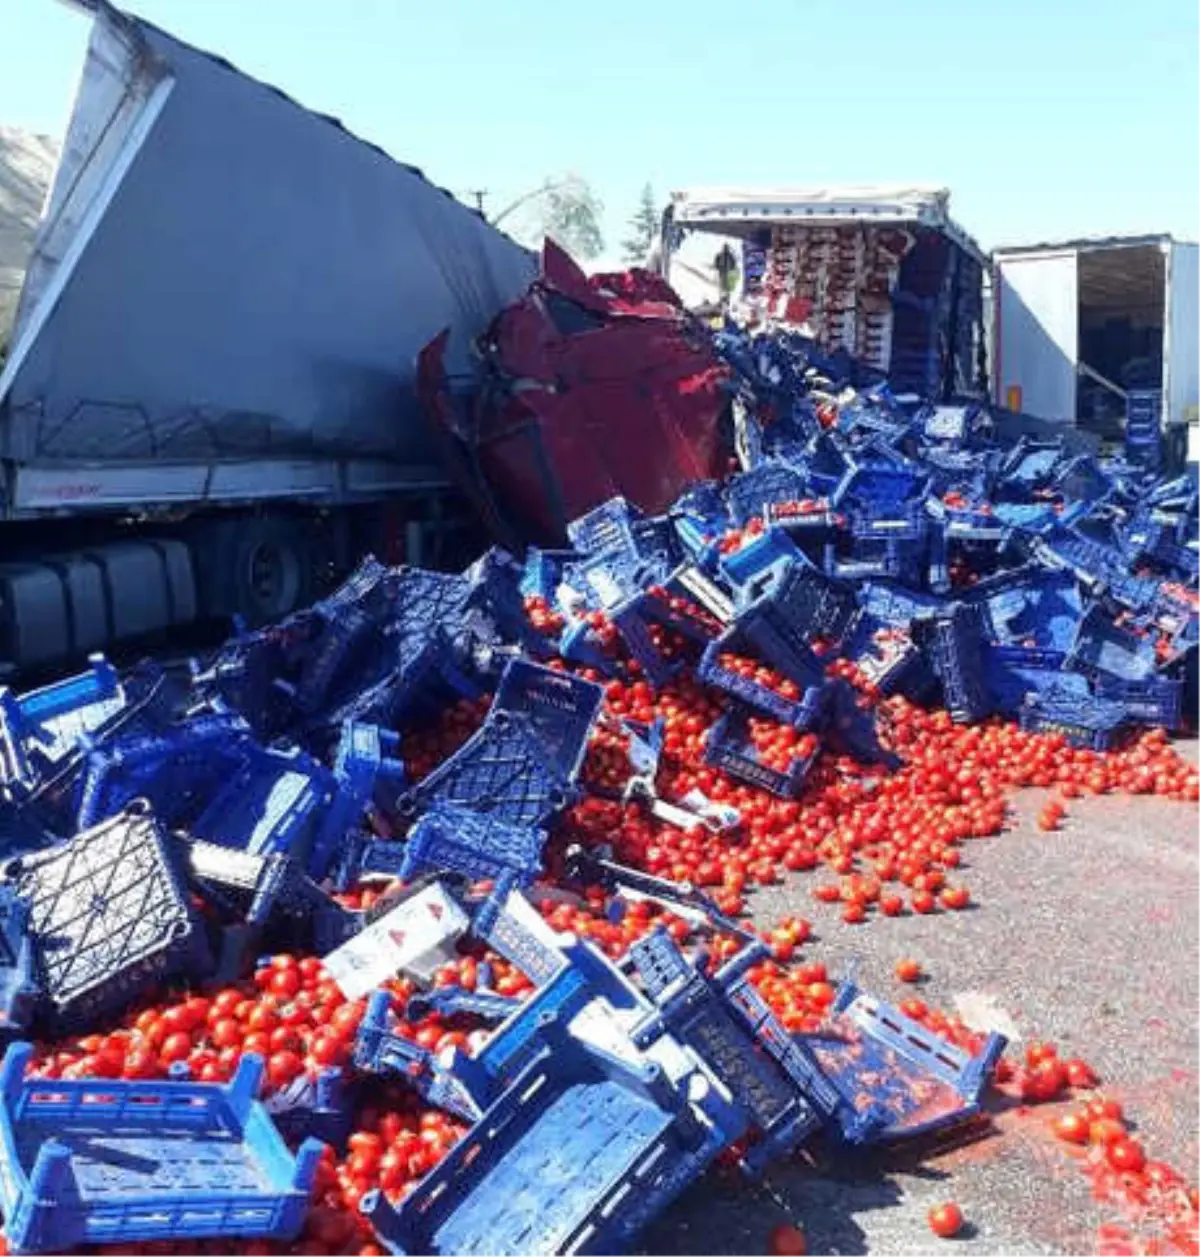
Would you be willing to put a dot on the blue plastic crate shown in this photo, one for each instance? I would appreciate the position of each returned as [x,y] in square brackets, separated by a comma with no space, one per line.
[451,839]
[57,754]
[274,803]
[1011,676]
[848,726]
[1035,517]
[950,423]
[341,646]
[905,522]
[790,607]
[730,749]
[701,518]
[177,770]
[104,1162]
[418,678]
[782,1094]
[543,571]
[755,557]
[495,613]
[502,771]
[513,1186]
[874,560]
[1031,464]
[561,708]
[365,763]
[771,483]
[1156,700]
[880,489]
[417,601]
[888,657]
[451,1001]
[463,1086]
[1102,647]
[687,603]
[109,916]
[955,644]
[1028,607]
[897,1080]
[605,527]
[894,604]
[745,690]
[18,988]
[579,645]
[355,591]
[1082,719]
[320,1109]
[54,719]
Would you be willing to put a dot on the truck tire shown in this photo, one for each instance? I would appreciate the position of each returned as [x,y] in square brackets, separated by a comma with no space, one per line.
[257,567]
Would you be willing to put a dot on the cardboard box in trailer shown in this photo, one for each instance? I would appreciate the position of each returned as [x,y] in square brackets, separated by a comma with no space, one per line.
[883,274]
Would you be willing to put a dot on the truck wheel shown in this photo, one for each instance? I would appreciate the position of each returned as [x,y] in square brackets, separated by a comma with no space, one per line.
[259,568]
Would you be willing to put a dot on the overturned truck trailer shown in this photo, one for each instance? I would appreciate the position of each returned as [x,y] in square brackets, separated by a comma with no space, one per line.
[212,363]
[883,274]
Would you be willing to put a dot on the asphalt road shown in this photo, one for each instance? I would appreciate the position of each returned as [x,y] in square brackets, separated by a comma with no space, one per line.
[1087,937]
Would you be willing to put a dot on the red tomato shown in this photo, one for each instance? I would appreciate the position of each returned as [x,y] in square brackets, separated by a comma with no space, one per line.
[787,1241]
[908,970]
[1079,1073]
[1126,1155]
[177,1047]
[282,1067]
[945,1220]
[1073,1128]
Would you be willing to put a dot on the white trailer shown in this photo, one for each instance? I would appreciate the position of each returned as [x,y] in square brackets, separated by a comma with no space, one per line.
[1076,325]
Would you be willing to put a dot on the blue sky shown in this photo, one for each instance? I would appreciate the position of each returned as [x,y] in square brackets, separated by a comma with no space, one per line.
[1045,118]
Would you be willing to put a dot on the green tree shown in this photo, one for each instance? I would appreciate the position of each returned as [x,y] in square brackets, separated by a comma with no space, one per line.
[643,228]
[565,209]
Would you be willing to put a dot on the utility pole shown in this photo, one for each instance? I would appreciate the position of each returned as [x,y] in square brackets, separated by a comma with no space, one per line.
[478,194]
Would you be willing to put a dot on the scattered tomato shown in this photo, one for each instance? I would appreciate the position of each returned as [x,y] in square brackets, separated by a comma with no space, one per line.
[945,1220]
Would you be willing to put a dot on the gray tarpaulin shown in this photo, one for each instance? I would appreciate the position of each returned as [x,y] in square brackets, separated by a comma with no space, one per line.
[259,285]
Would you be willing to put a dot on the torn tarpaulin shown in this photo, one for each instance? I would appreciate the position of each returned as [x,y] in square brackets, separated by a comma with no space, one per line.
[588,388]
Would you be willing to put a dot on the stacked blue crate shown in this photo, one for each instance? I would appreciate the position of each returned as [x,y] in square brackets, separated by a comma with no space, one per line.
[1143,428]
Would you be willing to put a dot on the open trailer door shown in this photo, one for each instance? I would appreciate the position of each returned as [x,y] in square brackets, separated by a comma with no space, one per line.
[1181,360]
[1037,332]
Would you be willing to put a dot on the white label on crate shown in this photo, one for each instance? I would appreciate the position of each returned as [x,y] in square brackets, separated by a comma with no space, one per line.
[605,587]
[415,937]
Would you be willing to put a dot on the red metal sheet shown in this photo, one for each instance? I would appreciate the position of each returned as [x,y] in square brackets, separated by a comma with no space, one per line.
[595,386]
